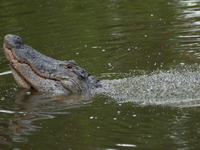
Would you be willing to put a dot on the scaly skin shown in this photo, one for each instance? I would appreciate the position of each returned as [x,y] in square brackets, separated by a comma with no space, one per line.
[32,69]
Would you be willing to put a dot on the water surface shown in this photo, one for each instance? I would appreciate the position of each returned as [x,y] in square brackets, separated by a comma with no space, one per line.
[147,52]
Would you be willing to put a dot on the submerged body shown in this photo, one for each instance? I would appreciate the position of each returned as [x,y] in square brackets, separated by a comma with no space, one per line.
[32,69]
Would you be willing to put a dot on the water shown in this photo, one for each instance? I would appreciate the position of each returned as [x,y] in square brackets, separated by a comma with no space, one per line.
[146,52]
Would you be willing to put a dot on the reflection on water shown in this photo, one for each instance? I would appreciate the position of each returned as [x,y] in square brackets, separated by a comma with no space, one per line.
[30,107]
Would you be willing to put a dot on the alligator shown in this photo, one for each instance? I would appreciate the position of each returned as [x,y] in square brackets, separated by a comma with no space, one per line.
[33,70]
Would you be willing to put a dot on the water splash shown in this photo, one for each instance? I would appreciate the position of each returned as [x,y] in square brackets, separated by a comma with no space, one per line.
[180,87]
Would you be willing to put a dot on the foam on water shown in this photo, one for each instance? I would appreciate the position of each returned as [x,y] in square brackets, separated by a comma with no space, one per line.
[178,87]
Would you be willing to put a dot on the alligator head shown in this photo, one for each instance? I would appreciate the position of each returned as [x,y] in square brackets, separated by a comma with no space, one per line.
[32,69]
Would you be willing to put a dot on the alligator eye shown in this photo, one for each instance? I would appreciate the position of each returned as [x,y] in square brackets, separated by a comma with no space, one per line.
[69,66]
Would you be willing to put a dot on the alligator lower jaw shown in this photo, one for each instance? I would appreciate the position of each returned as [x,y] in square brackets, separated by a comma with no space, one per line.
[27,78]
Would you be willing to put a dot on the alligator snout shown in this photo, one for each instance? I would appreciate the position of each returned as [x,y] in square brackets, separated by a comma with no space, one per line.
[12,41]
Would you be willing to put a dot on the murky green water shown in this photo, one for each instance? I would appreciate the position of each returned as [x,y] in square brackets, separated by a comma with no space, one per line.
[146,51]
